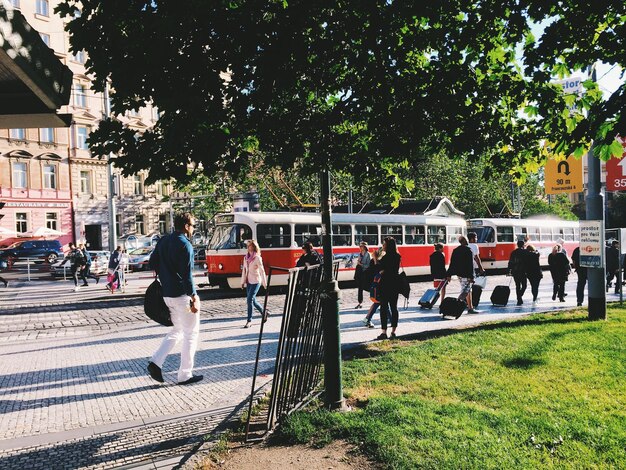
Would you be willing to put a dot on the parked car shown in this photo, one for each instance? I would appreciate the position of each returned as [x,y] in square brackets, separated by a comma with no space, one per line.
[139,259]
[42,250]
[99,264]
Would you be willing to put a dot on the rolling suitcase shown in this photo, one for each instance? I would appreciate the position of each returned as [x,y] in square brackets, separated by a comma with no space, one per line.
[476,293]
[500,295]
[454,307]
[431,296]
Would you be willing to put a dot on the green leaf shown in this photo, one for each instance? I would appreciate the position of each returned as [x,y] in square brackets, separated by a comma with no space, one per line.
[616,149]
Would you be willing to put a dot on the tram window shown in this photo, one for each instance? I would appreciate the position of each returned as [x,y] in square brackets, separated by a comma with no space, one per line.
[545,234]
[274,235]
[342,235]
[576,233]
[533,234]
[483,234]
[521,233]
[229,237]
[415,235]
[308,233]
[505,234]
[567,234]
[453,234]
[367,234]
[436,234]
[394,231]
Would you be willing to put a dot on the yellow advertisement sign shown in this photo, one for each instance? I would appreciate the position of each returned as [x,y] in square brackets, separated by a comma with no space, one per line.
[564,175]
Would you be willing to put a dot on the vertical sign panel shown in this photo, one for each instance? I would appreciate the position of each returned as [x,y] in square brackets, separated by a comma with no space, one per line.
[591,243]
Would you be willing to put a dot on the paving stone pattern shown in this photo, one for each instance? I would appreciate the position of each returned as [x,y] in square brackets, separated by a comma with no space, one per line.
[74,390]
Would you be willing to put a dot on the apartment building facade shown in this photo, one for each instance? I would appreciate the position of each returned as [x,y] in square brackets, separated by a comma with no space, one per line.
[48,177]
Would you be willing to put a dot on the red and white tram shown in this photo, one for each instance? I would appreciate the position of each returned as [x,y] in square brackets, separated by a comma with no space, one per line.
[497,238]
[281,234]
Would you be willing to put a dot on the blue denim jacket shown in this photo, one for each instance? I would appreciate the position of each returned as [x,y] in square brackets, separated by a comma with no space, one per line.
[173,261]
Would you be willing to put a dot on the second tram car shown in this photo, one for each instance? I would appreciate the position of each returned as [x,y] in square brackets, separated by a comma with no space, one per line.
[281,234]
[497,238]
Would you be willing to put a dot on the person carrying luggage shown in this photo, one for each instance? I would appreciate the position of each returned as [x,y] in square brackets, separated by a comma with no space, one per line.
[438,268]
[517,269]
[462,266]
[533,270]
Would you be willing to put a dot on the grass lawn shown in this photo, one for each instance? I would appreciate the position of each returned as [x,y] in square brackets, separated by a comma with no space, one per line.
[548,391]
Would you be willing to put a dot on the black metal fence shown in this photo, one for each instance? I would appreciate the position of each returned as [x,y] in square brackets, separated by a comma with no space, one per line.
[300,349]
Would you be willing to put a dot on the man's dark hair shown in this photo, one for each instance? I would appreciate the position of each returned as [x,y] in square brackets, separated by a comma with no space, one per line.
[520,243]
[181,219]
[307,246]
[471,235]
[438,246]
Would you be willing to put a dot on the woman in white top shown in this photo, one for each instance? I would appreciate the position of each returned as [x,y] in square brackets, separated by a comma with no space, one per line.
[252,276]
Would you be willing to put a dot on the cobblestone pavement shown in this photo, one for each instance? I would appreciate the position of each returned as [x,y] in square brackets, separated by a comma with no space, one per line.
[74,392]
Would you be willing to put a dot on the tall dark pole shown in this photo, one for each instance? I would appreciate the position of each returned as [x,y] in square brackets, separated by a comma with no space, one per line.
[595,211]
[330,299]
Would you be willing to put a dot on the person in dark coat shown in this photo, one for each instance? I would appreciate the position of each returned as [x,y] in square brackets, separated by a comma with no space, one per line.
[438,268]
[612,266]
[517,268]
[462,266]
[581,271]
[389,266]
[559,269]
[309,256]
[533,270]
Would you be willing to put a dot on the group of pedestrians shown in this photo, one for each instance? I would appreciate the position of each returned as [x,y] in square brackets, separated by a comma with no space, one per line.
[80,265]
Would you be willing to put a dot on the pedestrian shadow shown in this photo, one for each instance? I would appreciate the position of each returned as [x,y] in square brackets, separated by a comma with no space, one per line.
[362,350]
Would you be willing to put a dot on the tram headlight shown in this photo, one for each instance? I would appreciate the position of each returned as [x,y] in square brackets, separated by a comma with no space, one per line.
[220,266]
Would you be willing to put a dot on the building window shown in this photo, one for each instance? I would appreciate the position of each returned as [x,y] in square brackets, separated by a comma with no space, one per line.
[80,58]
[20,179]
[118,224]
[162,189]
[45,38]
[163,223]
[42,7]
[17,134]
[138,185]
[49,176]
[85,182]
[21,222]
[80,95]
[139,225]
[51,220]
[81,137]
[15,3]
[46,135]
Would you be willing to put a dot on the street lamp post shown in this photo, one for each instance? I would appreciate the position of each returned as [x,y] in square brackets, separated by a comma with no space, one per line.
[330,298]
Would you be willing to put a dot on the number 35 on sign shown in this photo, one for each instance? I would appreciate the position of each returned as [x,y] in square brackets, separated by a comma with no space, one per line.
[616,171]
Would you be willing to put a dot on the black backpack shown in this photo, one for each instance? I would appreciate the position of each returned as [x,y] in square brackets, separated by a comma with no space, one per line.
[154,305]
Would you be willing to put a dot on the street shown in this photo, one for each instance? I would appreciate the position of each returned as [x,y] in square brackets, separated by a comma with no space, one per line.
[72,375]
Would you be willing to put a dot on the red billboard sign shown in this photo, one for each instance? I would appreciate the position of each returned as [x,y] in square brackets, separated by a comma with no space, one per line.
[616,171]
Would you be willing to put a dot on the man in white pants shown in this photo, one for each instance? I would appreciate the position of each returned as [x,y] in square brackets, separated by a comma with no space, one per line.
[173,260]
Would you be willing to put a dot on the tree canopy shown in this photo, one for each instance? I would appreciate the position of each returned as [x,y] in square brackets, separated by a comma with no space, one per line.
[349,85]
